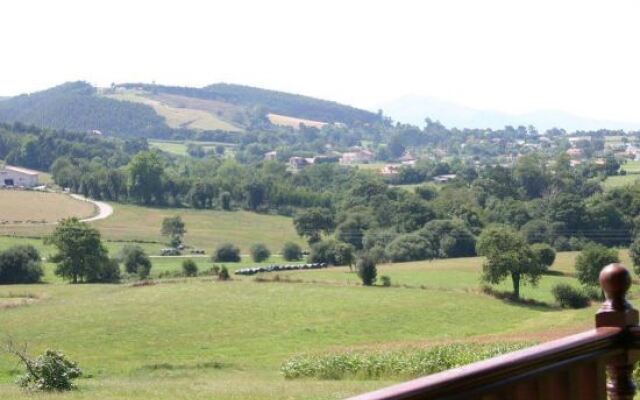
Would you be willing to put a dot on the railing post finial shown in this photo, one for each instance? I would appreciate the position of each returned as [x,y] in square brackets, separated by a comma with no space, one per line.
[615,281]
[616,311]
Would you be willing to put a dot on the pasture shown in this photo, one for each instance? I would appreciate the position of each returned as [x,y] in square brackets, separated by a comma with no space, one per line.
[294,122]
[178,117]
[35,213]
[199,338]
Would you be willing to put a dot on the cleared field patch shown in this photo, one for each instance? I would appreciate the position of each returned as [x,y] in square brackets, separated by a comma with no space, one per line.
[20,209]
[179,117]
[294,122]
[205,228]
[632,167]
[613,182]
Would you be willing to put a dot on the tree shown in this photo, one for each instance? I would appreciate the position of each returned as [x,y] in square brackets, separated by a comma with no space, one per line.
[536,231]
[227,252]
[591,260]
[225,201]
[145,178]
[344,254]
[531,175]
[634,254]
[507,254]
[135,261]
[545,253]
[291,251]
[367,270]
[353,228]
[174,227]
[332,252]
[410,247]
[452,237]
[312,222]
[81,255]
[20,264]
[259,252]
[255,193]
[412,213]
[189,268]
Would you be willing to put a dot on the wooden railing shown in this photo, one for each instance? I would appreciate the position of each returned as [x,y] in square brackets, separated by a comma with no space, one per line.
[586,366]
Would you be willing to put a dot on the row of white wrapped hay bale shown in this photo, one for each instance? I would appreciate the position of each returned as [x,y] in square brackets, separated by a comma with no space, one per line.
[276,268]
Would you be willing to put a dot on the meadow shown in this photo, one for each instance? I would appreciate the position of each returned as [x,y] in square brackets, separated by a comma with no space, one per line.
[200,338]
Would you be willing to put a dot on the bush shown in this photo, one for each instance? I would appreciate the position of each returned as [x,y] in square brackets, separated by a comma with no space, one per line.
[259,252]
[291,252]
[227,252]
[135,261]
[590,262]
[223,275]
[569,297]
[332,252]
[51,371]
[20,264]
[385,280]
[545,253]
[410,247]
[367,270]
[634,254]
[189,268]
[392,364]
[104,271]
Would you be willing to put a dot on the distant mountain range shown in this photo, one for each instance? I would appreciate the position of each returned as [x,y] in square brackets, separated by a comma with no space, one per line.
[414,110]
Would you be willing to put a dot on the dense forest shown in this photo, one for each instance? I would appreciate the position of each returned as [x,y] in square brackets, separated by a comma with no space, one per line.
[74,106]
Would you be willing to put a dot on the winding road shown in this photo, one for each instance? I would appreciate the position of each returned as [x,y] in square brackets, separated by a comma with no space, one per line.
[104,209]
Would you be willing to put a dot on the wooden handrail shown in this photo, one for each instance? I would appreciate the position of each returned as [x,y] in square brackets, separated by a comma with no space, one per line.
[569,368]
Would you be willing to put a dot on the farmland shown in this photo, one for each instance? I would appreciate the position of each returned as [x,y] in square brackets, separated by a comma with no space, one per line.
[293,122]
[227,340]
[32,212]
[178,115]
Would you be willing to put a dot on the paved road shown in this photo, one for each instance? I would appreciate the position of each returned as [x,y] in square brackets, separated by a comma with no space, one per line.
[104,209]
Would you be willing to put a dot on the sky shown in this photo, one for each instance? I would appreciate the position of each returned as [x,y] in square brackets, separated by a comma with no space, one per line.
[512,56]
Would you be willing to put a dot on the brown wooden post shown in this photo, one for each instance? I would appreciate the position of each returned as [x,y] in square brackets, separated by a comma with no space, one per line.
[615,281]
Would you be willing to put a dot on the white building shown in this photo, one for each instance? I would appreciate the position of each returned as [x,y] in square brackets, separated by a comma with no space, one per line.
[16,176]
[356,157]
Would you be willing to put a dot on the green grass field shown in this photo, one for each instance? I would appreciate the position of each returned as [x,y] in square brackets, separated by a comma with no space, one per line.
[197,338]
[180,147]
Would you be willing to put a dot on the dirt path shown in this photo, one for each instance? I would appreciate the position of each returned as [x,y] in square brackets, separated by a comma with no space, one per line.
[104,209]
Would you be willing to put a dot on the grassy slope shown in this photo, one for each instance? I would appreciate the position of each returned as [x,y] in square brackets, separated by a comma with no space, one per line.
[179,117]
[205,228]
[118,333]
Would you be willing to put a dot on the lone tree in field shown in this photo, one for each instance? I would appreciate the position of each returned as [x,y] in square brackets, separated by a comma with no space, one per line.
[591,260]
[313,222]
[508,255]
[226,252]
[367,270]
[174,228]
[135,261]
[81,255]
[259,252]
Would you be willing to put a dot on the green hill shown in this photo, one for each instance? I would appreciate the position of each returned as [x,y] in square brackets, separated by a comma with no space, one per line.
[75,106]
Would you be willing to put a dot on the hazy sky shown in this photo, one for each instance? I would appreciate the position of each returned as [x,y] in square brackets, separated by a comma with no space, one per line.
[516,56]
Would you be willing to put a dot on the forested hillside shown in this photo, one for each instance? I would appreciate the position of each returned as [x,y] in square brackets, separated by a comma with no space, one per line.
[270,101]
[75,106]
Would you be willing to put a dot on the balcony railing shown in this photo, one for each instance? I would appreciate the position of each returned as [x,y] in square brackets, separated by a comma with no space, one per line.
[586,366]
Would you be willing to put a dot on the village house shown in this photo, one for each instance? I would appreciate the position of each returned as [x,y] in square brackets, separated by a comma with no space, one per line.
[444,178]
[271,156]
[18,177]
[356,157]
[574,153]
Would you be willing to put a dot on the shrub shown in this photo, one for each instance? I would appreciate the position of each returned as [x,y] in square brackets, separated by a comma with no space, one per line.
[189,267]
[385,280]
[51,371]
[410,247]
[634,254]
[259,252]
[291,251]
[135,261]
[569,297]
[392,364]
[332,252]
[367,270]
[20,264]
[223,275]
[227,252]
[590,262]
[545,253]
